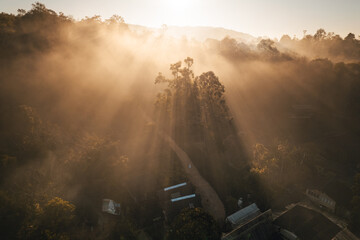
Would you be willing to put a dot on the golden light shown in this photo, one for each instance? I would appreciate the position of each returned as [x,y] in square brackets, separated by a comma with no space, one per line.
[179,12]
[176,5]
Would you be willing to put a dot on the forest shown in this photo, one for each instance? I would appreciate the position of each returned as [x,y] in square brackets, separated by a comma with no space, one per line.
[88,107]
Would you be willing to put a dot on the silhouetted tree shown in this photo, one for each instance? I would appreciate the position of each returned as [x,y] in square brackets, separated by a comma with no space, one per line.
[320,34]
[350,37]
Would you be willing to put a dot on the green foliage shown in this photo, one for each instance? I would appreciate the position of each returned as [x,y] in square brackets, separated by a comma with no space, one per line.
[356,185]
[355,215]
[320,34]
[194,97]
[268,46]
[7,24]
[54,221]
[58,215]
[123,230]
[194,224]
[182,77]
[99,167]
[7,163]
[350,37]
[39,8]
[34,159]
[25,135]
[264,161]
[355,206]
[13,214]
[194,111]
[285,170]
[211,90]
[41,28]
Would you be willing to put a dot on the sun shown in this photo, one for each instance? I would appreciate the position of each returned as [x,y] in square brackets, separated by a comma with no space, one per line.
[176,5]
[178,12]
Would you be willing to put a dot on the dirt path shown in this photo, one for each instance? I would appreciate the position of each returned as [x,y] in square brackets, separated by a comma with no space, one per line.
[209,198]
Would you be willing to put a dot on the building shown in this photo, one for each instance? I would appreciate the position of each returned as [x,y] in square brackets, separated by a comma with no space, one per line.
[321,199]
[342,194]
[250,223]
[243,215]
[257,227]
[335,196]
[178,190]
[177,197]
[303,223]
[345,235]
[111,207]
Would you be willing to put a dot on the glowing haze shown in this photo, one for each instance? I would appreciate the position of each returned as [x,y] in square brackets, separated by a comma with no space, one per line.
[256,17]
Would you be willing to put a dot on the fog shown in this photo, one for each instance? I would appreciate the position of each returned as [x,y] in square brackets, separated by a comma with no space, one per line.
[82,118]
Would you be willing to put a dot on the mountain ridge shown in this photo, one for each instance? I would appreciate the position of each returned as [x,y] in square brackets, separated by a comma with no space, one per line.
[200,33]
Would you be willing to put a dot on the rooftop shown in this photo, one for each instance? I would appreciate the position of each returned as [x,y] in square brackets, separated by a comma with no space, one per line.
[182,198]
[174,186]
[307,224]
[244,214]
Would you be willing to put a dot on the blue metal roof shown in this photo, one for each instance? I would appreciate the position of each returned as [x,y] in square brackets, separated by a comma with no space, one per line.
[175,186]
[182,198]
[244,214]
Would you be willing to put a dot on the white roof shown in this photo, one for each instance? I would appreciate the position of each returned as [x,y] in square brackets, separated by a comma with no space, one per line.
[110,206]
[244,214]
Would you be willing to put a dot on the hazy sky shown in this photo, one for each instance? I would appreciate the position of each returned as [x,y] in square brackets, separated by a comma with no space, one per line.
[271,18]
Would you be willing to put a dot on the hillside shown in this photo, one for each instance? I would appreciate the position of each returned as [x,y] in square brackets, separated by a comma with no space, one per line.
[199,33]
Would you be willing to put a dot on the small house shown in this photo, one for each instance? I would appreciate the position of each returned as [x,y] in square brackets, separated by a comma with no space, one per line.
[110,206]
[177,197]
[321,199]
[259,227]
[243,215]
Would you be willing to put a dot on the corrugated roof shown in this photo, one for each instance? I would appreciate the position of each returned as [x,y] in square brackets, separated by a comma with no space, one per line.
[175,186]
[307,224]
[182,198]
[244,214]
[257,228]
[345,235]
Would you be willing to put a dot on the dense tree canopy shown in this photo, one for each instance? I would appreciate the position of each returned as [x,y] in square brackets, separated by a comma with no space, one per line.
[194,224]
[262,120]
